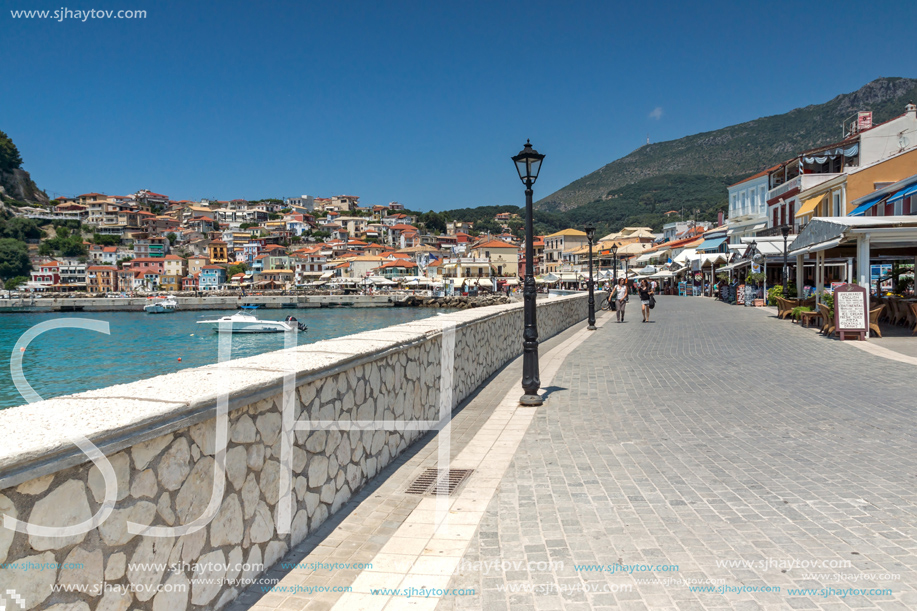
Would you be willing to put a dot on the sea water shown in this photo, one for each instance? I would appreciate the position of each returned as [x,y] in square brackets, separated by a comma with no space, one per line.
[66,361]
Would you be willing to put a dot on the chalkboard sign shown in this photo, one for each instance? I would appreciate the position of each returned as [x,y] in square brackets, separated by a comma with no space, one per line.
[850,315]
[740,295]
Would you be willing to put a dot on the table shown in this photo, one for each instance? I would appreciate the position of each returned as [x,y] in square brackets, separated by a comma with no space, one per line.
[808,317]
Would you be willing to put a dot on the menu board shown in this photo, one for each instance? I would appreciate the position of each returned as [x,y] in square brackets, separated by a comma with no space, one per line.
[740,295]
[850,316]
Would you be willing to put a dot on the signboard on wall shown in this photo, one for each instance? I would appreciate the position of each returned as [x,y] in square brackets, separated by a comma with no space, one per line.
[850,315]
[864,120]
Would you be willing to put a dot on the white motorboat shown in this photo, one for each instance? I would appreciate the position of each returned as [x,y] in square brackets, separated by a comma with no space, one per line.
[169,304]
[240,322]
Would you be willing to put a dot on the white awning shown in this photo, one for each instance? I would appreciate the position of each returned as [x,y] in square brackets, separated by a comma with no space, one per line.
[686,255]
[818,247]
[645,257]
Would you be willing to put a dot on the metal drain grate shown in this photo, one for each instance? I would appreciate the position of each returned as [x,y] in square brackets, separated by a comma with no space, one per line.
[439,481]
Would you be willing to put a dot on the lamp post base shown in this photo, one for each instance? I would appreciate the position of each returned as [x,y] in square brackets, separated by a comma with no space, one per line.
[531,400]
[590,328]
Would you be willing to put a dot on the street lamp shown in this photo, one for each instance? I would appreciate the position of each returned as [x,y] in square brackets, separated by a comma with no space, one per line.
[590,235]
[785,230]
[528,164]
[614,257]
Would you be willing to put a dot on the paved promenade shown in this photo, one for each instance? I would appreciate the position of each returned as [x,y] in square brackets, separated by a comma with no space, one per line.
[715,449]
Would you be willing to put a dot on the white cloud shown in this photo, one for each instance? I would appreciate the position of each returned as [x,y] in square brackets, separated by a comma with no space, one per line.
[657,113]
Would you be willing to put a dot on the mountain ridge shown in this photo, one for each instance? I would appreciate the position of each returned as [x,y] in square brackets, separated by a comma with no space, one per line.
[737,150]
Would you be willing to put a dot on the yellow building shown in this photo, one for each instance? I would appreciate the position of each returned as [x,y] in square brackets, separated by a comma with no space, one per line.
[557,244]
[835,197]
[217,252]
[504,257]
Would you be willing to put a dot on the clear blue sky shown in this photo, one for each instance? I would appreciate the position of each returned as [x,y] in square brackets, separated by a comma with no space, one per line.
[419,102]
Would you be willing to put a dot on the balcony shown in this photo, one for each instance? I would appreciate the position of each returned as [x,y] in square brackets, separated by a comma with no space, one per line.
[773,231]
[803,182]
[793,183]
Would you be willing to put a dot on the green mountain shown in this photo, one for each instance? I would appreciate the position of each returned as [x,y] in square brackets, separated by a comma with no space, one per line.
[672,172]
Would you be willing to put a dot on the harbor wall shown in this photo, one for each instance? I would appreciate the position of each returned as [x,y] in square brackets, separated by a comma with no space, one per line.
[170,467]
[223,302]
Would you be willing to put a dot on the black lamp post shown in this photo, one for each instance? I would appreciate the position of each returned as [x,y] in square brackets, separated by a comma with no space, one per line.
[590,235]
[528,164]
[785,230]
[614,258]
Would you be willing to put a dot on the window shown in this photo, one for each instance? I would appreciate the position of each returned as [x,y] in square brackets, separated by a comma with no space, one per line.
[899,207]
[836,207]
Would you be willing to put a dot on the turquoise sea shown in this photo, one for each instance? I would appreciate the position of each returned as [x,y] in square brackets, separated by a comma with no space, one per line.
[66,361]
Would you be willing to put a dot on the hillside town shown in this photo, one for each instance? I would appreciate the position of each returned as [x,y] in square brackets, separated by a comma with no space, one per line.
[147,242]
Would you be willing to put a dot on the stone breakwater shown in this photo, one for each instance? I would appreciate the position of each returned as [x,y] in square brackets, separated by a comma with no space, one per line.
[171,468]
[458,302]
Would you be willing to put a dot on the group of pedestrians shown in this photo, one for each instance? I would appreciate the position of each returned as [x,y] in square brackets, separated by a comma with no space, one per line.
[619,296]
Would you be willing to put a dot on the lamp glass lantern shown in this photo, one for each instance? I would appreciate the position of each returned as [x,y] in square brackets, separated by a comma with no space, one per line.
[528,163]
[590,232]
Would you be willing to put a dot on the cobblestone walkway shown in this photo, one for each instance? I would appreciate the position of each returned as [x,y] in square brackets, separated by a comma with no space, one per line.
[715,446]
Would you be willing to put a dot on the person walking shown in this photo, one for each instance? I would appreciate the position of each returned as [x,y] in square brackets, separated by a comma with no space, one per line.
[646,292]
[619,296]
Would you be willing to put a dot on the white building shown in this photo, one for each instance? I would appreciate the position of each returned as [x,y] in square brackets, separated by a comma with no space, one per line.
[304,202]
[747,206]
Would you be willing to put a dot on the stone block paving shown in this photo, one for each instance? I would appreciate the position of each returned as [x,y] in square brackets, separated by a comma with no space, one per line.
[366,523]
[740,448]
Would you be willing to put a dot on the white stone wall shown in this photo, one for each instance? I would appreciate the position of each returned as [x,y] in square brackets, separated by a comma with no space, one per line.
[160,437]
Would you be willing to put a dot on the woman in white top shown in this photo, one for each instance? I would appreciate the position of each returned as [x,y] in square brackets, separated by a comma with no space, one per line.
[619,295]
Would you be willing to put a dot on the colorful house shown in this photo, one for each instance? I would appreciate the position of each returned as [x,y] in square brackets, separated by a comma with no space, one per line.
[212,278]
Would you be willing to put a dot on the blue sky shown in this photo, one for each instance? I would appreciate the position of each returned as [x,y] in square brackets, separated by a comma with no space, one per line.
[418,102]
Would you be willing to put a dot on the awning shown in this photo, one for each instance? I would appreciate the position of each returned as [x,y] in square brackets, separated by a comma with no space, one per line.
[862,208]
[712,259]
[818,247]
[327,274]
[686,255]
[903,193]
[646,257]
[808,206]
[709,245]
[734,266]
[512,281]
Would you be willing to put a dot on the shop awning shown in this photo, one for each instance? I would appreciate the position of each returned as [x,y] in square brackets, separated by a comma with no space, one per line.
[710,245]
[808,206]
[903,193]
[512,281]
[733,266]
[646,257]
[862,208]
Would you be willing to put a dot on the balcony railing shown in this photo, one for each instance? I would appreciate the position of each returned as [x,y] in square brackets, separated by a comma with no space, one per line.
[772,231]
[793,183]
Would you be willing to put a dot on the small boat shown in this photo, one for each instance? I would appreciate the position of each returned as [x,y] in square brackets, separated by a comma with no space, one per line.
[240,322]
[169,304]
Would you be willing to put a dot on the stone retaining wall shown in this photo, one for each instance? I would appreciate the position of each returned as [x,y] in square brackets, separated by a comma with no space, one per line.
[161,439]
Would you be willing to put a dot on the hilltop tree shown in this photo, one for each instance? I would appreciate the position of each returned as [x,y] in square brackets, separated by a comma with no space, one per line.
[9,154]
